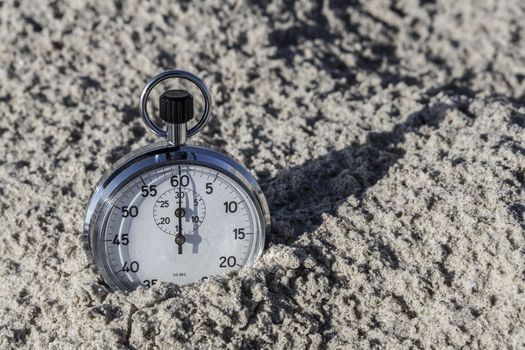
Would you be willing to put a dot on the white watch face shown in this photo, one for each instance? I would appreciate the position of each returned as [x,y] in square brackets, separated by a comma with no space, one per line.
[181,224]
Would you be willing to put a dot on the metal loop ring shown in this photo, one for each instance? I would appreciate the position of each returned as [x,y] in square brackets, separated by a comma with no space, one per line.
[143,108]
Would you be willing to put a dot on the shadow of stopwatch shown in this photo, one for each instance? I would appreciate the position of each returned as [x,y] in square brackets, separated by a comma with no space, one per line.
[300,195]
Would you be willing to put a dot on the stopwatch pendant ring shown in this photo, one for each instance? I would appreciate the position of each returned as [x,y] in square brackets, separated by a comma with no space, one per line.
[175,107]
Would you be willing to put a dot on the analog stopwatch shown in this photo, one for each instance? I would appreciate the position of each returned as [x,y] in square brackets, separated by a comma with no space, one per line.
[174,211]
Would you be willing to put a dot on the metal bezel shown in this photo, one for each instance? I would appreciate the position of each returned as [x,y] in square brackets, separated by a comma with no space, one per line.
[157,155]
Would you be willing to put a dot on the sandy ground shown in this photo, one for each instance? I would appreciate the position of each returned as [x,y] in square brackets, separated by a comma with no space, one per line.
[388,137]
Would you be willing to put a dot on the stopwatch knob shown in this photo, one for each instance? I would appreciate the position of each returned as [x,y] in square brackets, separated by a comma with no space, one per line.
[176,106]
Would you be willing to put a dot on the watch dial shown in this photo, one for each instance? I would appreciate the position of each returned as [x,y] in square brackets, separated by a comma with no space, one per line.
[179,223]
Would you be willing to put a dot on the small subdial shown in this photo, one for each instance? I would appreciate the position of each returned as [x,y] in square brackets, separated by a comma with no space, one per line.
[174,204]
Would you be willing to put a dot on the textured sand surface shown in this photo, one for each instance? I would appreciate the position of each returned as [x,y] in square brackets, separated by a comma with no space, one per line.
[388,136]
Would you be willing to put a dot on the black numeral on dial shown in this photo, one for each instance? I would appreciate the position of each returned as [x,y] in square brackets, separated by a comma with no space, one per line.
[149,283]
[209,188]
[230,261]
[123,239]
[230,207]
[239,233]
[183,181]
[164,220]
[150,190]
[132,266]
[130,211]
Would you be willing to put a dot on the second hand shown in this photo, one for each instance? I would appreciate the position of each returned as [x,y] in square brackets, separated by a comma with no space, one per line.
[179,238]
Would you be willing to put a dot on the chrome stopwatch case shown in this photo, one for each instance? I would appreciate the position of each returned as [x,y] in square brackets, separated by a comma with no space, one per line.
[173,211]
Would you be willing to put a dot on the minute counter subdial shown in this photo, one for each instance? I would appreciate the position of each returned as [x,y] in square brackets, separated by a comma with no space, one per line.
[167,212]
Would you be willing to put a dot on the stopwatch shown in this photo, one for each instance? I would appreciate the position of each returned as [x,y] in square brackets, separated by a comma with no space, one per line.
[174,211]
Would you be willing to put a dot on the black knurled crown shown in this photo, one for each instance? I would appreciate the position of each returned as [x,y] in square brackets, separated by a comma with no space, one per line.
[176,106]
